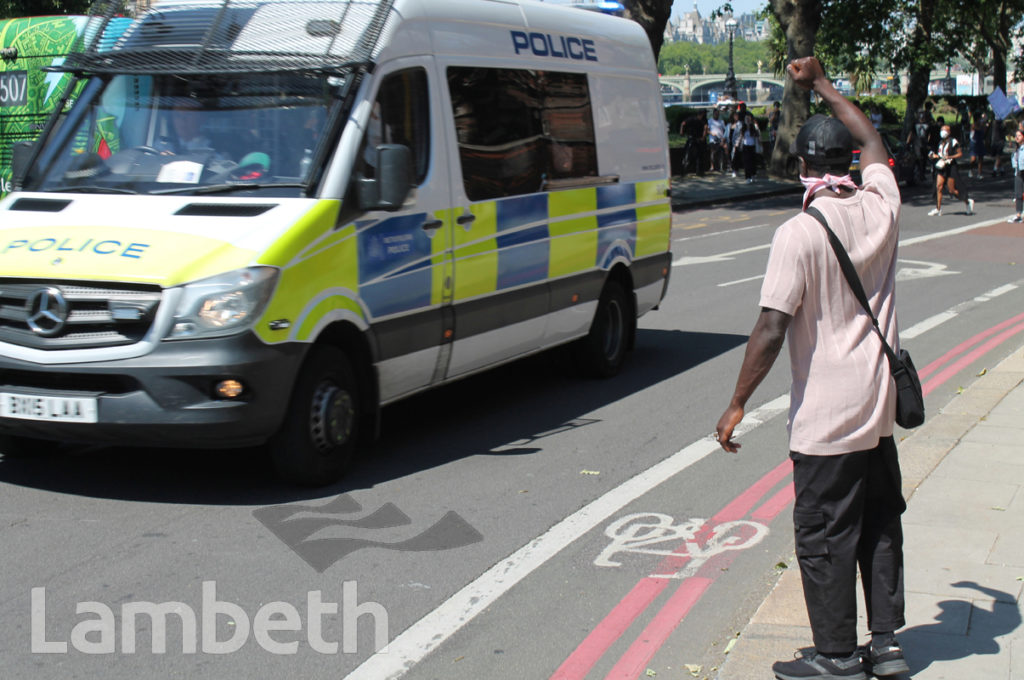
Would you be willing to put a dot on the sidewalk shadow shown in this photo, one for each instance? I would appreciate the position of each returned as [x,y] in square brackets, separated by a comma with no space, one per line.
[961,629]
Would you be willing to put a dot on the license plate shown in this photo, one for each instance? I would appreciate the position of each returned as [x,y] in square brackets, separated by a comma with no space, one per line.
[55,409]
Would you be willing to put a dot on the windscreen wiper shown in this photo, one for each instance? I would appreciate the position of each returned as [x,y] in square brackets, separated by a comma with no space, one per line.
[90,189]
[228,188]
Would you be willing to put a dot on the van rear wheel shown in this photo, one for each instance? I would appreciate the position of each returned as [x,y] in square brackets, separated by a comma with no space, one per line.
[317,441]
[601,353]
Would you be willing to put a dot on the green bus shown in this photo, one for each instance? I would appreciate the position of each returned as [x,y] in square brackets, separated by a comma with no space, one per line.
[29,95]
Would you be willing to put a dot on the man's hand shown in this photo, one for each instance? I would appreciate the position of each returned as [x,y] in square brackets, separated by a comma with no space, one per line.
[726,424]
[805,71]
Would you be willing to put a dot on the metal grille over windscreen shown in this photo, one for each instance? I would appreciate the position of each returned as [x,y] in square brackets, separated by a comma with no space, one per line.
[232,36]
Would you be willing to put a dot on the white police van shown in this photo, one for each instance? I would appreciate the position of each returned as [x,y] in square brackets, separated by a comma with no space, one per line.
[313,208]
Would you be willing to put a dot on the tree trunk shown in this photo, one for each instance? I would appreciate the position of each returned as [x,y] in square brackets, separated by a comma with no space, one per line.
[921,63]
[652,15]
[800,20]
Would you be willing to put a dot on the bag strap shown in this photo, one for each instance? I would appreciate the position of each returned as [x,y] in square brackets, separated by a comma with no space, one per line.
[851,278]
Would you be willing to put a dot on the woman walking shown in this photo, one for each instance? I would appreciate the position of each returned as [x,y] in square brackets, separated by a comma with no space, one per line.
[946,172]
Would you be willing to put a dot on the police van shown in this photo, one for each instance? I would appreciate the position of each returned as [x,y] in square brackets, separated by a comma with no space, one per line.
[318,207]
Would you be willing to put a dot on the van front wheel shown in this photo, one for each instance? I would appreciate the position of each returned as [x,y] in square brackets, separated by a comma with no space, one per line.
[317,441]
[601,353]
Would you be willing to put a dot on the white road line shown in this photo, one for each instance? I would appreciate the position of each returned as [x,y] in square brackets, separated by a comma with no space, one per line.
[718,233]
[942,317]
[926,325]
[427,634]
[720,257]
[996,293]
[950,232]
[733,283]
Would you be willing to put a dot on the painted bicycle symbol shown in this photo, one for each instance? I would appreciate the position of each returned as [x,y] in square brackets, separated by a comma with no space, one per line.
[639,532]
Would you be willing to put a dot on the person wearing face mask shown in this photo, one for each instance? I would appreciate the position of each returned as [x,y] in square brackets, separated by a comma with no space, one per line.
[946,172]
[846,474]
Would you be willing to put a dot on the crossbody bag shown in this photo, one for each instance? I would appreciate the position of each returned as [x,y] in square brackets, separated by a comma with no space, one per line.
[909,396]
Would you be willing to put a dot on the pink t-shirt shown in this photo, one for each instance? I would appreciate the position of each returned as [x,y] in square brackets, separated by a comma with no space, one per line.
[843,398]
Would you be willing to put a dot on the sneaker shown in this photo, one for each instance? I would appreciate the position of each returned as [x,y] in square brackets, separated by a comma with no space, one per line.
[886,660]
[970,174]
[822,667]
[970,206]
[933,212]
[1015,220]
[734,173]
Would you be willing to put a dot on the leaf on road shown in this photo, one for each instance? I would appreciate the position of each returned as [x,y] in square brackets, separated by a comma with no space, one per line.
[996,507]
[589,472]
[694,669]
[983,372]
[728,647]
[650,673]
[781,565]
[960,390]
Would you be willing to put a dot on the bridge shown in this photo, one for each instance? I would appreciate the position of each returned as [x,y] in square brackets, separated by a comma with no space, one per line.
[754,88]
[757,89]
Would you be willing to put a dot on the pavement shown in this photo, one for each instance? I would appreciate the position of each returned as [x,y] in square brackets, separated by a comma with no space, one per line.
[963,477]
[693,191]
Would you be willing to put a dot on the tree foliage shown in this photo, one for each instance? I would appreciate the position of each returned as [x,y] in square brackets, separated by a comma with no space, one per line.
[675,57]
[652,15]
[27,8]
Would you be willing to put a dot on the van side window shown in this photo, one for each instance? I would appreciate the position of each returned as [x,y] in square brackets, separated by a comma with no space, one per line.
[400,115]
[517,129]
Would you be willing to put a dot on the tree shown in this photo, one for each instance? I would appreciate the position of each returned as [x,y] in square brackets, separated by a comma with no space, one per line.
[799,21]
[29,8]
[989,25]
[652,15]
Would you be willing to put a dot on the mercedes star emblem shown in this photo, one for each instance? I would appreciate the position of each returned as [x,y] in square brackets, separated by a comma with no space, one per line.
[47,312]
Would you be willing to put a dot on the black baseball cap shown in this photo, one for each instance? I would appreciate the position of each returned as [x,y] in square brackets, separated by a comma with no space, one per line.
[824,141]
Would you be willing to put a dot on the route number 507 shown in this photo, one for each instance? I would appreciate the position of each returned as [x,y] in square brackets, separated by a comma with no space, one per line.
[14,88]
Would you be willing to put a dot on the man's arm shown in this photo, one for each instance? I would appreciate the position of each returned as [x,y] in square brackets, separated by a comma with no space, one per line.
[762,349]
[807,73]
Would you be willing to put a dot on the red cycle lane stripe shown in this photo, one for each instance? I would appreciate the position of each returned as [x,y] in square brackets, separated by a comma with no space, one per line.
[647,590]
[963,346]
[966,359]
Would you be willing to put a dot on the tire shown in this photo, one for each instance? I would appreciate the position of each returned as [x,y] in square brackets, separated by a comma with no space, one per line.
[317,440]
[601,353]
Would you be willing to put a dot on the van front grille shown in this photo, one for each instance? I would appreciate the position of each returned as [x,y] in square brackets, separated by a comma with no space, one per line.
[65,315]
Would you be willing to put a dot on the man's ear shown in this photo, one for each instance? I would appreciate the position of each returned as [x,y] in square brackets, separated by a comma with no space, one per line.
[803,167]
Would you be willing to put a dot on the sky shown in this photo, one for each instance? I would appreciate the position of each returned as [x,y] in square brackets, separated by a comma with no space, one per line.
[705,7]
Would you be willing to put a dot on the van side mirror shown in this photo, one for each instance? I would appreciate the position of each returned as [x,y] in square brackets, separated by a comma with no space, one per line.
[389,189]
[21,156]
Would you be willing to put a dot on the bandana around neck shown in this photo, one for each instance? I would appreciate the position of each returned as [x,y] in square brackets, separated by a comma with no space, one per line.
[828,181]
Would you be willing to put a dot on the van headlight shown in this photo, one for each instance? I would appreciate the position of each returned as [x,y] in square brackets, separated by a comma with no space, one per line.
[223,304]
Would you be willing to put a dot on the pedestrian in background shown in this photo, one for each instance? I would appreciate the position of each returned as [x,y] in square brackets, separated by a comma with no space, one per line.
[751,138]
[1017,163]
[979,130]
[875,116]
[846,473]
[774,118]
[735,142]
[947,173]
[996,143]
[716,132]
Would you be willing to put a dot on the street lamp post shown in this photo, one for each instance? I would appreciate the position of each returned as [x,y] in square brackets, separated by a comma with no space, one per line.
[730,76]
